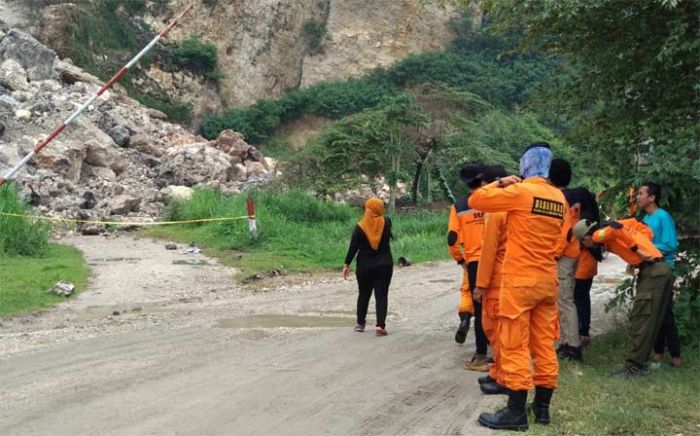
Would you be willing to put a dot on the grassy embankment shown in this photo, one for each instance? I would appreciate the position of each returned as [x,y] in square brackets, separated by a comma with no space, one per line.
[296,232]
[29,264]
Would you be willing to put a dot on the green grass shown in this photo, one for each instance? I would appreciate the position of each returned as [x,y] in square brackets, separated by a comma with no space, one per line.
[26,279]
[20,236]
[590,402]
[296,232]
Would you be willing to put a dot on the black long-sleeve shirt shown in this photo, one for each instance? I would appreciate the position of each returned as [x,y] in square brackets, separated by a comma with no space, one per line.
[367,257]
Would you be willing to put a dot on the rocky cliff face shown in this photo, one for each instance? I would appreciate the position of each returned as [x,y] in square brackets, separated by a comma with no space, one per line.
[267,47]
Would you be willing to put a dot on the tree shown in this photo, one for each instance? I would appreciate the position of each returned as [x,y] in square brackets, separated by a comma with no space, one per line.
[631,90]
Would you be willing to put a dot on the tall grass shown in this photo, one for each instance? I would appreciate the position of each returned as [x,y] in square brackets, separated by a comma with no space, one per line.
[296,232]
[20,236]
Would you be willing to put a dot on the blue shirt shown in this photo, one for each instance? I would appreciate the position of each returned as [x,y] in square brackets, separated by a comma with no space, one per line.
[665,236]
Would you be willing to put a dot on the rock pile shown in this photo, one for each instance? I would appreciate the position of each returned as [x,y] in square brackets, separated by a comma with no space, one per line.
[119,157]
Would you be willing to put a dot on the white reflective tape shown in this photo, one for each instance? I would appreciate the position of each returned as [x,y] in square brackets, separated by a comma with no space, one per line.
[143,52]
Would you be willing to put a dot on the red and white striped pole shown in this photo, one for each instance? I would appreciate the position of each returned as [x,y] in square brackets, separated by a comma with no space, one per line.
[252,226]
[10,173]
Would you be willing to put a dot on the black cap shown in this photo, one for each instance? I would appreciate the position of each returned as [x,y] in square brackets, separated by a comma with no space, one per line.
[471,172]
[492,172]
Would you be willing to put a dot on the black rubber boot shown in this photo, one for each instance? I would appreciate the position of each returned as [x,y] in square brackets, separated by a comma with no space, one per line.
[512,417]
[493,389]
[486,379]
[463,328]
[540,406]
[567,352]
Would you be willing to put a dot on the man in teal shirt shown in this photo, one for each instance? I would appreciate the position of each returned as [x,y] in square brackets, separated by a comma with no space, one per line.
[666,240]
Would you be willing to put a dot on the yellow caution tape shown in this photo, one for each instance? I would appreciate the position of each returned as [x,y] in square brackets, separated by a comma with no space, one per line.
[125,223]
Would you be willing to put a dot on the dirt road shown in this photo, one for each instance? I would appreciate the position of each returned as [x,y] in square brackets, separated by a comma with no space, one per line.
[164,343]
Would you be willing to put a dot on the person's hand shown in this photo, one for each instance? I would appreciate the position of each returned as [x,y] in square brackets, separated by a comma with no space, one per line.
[510,180]
[477,294]
[346,272]
[645,257]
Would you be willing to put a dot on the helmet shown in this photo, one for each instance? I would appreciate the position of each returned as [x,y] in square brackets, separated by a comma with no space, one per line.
[583,228]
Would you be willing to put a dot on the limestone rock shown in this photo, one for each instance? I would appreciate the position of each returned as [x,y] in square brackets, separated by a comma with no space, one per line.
[116,127]
[100,155]
[34,57]
[13,76]
[123,204]
[177,193]
[193,164]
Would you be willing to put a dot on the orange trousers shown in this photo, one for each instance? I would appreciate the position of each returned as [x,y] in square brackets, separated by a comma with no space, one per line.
[528,327]
[466,303]
[489,321]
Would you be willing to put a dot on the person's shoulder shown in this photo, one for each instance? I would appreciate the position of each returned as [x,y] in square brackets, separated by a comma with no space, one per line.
[461,203]
[664,214]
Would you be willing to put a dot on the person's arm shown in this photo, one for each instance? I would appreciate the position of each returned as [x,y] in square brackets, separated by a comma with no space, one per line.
[615,231]
[489,249]
[454,236]
[352,250]
[500,196]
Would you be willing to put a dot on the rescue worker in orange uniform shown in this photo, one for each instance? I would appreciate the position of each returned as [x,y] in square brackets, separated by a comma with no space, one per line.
[527,302]
[464,243]
[567,262]
[488,282]
[631,240]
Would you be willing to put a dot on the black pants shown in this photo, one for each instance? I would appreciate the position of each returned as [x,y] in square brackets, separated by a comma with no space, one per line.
[378,279]
[482,342]
[668,335]
[582,297]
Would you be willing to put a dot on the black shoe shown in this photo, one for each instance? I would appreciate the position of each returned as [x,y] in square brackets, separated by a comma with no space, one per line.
[493,389]
[486,379]
[463,328]
[567,352]
[512,417]
[540,406]
[631,370]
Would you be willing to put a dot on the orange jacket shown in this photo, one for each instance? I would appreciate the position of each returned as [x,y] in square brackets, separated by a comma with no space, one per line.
[587,265]
[623,239]
[535,216]
[464,232]
[493,250]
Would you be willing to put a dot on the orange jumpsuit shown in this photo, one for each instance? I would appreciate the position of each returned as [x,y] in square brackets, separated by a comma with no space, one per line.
[464,243]
[627,240]
[527,303]
[488,278]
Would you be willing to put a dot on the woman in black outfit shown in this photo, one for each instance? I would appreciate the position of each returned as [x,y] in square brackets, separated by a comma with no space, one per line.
[370,240]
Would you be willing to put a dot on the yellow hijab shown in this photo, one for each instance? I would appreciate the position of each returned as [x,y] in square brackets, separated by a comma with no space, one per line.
[373,221]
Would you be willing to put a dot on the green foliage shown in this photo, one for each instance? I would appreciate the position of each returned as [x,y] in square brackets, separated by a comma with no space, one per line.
[328,99]
[296,232]
[20,236]
[26,279]
[632,87]
[361,144]
[196,55]
[314,31]
[686,306]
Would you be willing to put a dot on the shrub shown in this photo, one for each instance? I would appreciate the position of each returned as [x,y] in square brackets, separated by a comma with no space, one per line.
[314,31]
[196,55]
[20,236]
